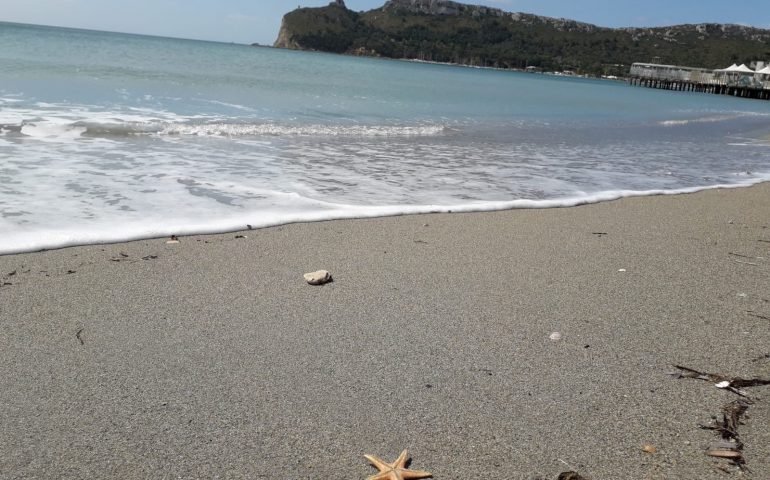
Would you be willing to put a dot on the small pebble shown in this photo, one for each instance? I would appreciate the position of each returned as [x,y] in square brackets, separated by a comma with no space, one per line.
[555,336]
[647,448]
[318,278]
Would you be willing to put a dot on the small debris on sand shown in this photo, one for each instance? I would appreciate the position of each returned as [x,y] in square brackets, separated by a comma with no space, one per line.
[729,445]
[757,315]
[760,358]
[318,278]
[733,383]
[555,336]
[571,476]
[730,454]
[647,448]
[174,240]
[121,257]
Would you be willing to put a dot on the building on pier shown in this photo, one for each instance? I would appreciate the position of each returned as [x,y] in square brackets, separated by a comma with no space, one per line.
[735,80]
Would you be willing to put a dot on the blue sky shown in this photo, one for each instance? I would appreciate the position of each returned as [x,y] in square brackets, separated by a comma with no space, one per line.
[248,21]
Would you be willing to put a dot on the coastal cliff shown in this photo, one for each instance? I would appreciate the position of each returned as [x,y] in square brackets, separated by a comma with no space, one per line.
[325,28]
[453,32]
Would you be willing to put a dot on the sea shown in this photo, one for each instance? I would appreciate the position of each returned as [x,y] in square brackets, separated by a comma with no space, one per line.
[108,137]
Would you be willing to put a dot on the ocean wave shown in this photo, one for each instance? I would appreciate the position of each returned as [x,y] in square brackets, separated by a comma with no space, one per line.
[57,129]
[270,129]
[709,119]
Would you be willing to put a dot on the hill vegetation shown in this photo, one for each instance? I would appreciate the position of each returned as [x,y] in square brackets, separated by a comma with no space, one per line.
[445,31]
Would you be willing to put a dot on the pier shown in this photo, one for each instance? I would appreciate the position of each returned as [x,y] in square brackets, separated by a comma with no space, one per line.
[737,81]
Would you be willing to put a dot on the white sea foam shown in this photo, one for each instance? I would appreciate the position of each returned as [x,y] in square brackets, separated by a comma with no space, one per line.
[232,105]
[688,121]
[295,209]
[235,130]
[52,131]
[714,118]
[56,129]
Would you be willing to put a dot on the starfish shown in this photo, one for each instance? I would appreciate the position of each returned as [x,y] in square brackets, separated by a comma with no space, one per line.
[395,470]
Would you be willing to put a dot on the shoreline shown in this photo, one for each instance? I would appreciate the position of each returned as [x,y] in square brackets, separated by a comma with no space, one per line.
[353,212]
[214,357]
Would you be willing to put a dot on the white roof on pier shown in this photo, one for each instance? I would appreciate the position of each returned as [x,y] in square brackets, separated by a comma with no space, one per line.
[765,70]
[737,69]
[744,69]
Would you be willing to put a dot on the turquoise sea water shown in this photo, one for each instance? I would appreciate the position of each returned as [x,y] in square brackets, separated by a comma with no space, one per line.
[108,137]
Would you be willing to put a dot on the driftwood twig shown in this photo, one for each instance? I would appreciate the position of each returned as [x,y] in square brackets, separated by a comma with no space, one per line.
[729,446]
[747,263]
[756,315]
[732,382]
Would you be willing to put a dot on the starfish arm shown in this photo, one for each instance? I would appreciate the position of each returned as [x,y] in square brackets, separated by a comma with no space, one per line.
[415,474]
[378,463]
[382,476]
[401,460]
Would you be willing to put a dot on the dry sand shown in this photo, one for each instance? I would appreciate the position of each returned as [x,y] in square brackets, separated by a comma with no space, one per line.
[216,360]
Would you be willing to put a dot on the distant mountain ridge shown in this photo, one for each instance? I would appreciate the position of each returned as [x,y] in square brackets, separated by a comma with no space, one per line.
[448,31]
[447,7]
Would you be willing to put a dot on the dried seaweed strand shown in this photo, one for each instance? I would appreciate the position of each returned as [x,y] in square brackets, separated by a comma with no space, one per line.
[729,447]
[756,315]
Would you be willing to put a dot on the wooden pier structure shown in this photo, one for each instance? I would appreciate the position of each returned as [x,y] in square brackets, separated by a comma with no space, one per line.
[735,81]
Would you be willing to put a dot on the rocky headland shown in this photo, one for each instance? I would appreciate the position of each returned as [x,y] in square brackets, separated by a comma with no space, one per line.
[453,32]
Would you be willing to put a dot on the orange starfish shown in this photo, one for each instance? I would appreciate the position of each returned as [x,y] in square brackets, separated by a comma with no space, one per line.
[395,470]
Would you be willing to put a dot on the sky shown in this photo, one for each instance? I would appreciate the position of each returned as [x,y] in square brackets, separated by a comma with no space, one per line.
[257,21]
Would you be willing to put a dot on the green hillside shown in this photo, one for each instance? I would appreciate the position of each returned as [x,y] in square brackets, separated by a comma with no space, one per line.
[445,31]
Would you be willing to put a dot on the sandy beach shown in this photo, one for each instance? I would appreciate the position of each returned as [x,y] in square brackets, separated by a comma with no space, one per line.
[212,358]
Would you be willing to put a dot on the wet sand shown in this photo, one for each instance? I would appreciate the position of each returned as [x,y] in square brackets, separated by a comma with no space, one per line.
[213,357]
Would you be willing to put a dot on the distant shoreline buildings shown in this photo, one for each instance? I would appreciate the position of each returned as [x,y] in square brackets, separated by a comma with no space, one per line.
[735,80]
